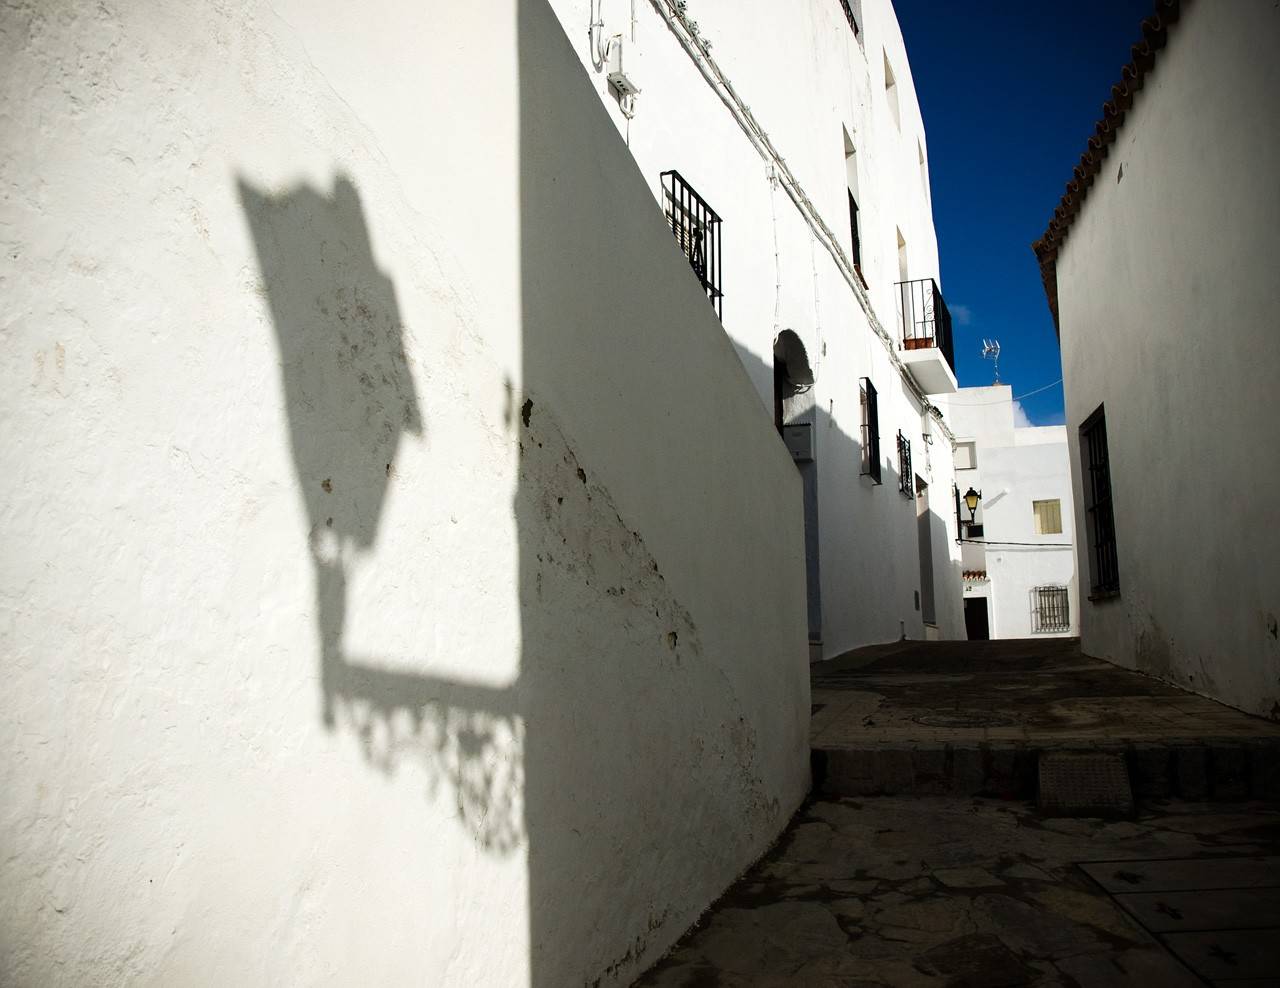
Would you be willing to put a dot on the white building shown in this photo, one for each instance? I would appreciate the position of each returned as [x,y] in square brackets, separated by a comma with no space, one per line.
[796,126]
[403,579]
[1017,550]
[1159,268]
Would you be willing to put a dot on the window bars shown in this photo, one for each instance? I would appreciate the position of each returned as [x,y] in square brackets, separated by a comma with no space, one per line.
[905,484]
[697,231]
[1104,569]
[870,430]
[1051,610]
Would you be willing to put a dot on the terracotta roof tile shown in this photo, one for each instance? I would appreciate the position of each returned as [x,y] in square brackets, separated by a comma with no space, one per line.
[1155,33]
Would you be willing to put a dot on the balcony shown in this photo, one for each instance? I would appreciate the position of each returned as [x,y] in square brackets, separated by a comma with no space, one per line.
[924,324]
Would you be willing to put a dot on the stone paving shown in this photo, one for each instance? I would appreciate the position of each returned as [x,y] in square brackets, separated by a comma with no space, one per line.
[1030,690]
[967,718]
[940,891]
[942,888]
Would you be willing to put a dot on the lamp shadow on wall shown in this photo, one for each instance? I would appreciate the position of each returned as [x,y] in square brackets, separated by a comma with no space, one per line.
[350,401]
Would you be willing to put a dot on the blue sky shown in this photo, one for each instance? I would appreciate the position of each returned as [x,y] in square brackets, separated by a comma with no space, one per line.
[1010,93]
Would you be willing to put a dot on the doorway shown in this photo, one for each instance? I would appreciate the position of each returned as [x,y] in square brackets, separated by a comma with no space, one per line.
[793,404]
[977,624]
[924,529]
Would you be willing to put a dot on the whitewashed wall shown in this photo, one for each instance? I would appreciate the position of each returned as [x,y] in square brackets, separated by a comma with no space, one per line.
[1167,304]
[372,587]
[1013,468]
[807,81]
[1011,478]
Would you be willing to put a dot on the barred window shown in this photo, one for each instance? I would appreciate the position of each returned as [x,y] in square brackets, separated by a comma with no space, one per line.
[905,484]
[1051,610]
[697,231]
[1104,568]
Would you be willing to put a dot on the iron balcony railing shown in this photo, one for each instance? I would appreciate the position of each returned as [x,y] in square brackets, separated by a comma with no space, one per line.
[697,230]
[924,319]
[1052,609]
[853,20]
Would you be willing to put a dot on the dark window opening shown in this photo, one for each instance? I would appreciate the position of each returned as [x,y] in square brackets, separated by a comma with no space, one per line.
[856,240]
[697,230]
[905,487]
[870,430]
[1104,569]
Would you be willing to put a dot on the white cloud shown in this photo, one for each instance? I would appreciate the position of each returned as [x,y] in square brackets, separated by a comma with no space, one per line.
[962,314]
[1021,420]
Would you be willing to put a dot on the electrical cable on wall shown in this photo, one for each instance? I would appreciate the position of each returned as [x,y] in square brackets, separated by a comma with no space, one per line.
[777,258]
[1001,401]
[1038,545]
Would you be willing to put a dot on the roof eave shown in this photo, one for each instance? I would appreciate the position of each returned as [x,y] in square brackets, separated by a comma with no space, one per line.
[1155,34]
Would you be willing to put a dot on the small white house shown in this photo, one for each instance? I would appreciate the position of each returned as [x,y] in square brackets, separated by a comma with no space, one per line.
[1159,268]
[1013,507]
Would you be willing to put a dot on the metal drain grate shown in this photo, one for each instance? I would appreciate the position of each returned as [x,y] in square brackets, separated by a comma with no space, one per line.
[1084,784]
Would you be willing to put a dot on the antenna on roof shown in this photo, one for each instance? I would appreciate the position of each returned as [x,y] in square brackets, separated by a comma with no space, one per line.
[991,351]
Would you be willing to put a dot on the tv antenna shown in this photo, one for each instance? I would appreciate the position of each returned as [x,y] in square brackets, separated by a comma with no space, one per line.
[991,351]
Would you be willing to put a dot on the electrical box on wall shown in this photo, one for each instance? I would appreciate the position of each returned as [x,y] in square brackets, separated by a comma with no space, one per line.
[618,78]
[799,440]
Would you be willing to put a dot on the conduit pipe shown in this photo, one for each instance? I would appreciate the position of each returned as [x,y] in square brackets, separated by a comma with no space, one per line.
[698,49]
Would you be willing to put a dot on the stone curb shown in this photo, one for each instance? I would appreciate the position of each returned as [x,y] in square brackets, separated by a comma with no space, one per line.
[1217,770]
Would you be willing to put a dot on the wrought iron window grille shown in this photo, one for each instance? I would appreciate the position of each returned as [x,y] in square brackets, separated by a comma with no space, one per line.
[1051,610]
[870,430]
[1104,567]
[906,485]
[696,227]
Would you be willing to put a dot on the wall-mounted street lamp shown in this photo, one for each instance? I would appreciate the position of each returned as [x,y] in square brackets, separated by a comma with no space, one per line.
[971,499]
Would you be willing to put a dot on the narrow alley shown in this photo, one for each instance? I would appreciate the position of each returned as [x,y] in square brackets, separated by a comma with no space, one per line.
[687,493]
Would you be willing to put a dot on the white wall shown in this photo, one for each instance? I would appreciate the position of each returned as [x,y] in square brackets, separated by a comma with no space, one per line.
[1167,306]
[1011,479]
[1013,468]
[778,277]
[372,586]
